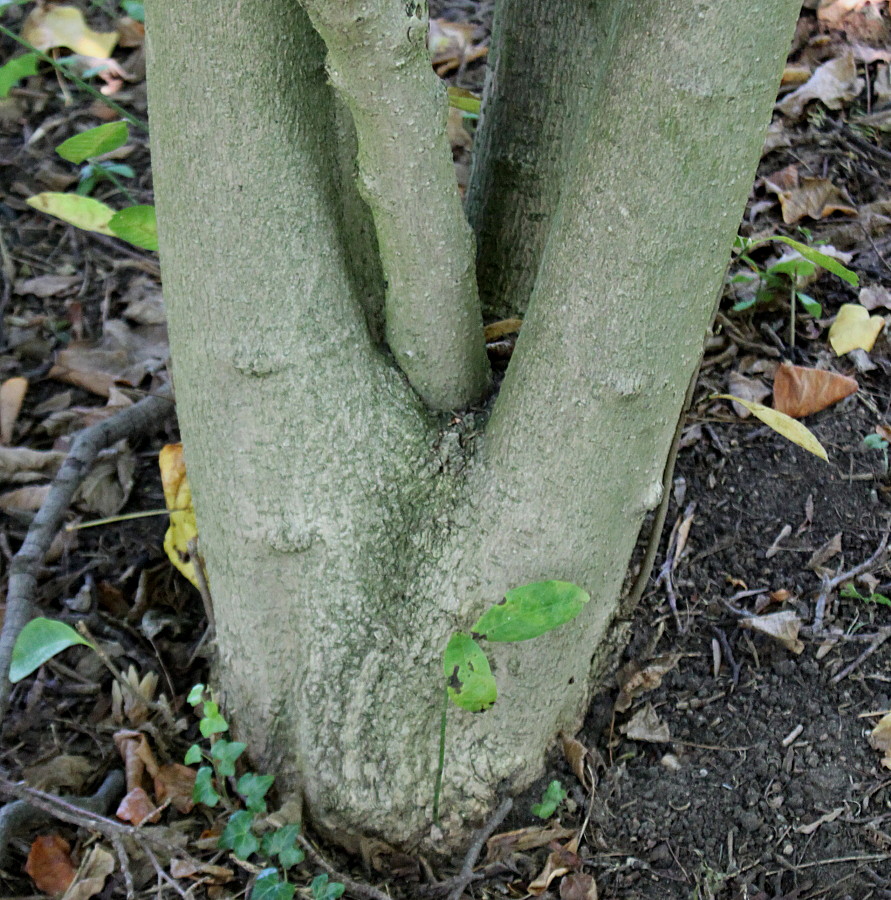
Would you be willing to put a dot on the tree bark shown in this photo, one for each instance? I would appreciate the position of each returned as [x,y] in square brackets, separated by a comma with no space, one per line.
[348,530]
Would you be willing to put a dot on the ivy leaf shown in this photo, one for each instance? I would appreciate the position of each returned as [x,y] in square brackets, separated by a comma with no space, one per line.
[204,791]
[283,843]
[469,680]
[226,753]
[269,886]
[531,610]
[253,789]
[237,835]
[212,722]
[193,755]
[322,889]
[196,695]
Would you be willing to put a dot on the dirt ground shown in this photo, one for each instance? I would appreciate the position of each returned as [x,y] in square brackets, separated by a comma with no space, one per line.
[747,773]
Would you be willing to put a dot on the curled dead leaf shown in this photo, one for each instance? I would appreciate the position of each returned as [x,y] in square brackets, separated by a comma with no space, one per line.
[560,861]
[833,84]
[12,394]
[781,626]
[636,678]
[501,846]
[880,739]
[578,886]
[799,391]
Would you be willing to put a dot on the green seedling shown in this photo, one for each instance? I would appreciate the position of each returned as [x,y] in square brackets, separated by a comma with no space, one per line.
[525,613]
[553,796]
[786,277]
[850,591]
[247,832]
[877,442]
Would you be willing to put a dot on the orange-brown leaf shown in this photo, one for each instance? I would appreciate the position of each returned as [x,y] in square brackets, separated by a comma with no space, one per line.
[799,391]
[49,864]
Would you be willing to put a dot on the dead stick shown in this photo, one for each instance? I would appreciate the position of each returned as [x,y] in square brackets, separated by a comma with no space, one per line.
[355,888]
[464,877]
[142,417]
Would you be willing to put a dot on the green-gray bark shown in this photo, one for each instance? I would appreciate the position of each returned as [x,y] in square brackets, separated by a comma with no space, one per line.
[347,529]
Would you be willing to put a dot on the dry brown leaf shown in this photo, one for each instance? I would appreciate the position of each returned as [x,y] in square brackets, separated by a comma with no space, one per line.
[175,782]
[883,430]
[26,499]
[799,391]
[880,739]
[645,725]
[875,296]
[137,755]
[635,678]
[64,26]
[781,626]
[12,394]
[578,886]
[560,861]
[502,328]
[181,868]
[583,762]
[746,389]
[785,179]
[91,875]
[823,554]
[815,198]
[107,487]
[137,808]
[826,817]
[501,846]
[793,76]
[833,84]
[64,771]
[44,286]
[130,32]
[49,864]
[858,19]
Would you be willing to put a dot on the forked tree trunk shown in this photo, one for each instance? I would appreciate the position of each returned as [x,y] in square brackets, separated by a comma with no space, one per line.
[348,528]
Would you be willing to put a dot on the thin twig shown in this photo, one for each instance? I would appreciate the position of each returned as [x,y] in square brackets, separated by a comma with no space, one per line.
[24,814]
[356,888]
[201,577]
[124,862]
[879,638]
[464,877]
[144,416]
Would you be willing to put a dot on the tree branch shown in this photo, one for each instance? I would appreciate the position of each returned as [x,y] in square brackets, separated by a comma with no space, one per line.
[378,63]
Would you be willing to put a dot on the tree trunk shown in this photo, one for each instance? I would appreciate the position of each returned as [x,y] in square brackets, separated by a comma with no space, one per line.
[348,530]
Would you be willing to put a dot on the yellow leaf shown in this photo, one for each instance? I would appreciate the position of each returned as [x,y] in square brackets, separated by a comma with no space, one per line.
[64,26]
[785,425]
[854,329]
[178,497]
[84,212]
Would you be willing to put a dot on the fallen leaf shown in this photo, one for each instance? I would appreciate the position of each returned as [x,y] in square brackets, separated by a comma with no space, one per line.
[175,782]
[12,395]
[137,755]
[880,739]
[578,886]
[782,626]
[636,679]
[560,861]
[91,875]
[583,762]
[502,328]
[26,499]
[49,864]
[501,846]
[83,212]
[64,26]
[823,554]
[44,286]
[137,808]
[800,391]
[746,389]
[875,296]
[178,497]
[645,725]
[64,771]
[815,198]
[833,84]
[181,868]
[785,425]
[854,329]
[826,817]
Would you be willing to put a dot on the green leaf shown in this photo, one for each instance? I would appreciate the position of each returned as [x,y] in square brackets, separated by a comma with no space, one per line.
[322,889]
[531,610]
[748,303]
[253,789]
[875,442]
[136,225]
[794,267]
[134,8]
[193,755]
[553,796]
[469,679]
[812,307]
[465,101]
[226,753]
[41,639]
[15,70]
[212,722]
[820,259]
[196,695]
[269,886]
[283,843]
[237,835]
[83,212]
[204,791]
[94,142]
